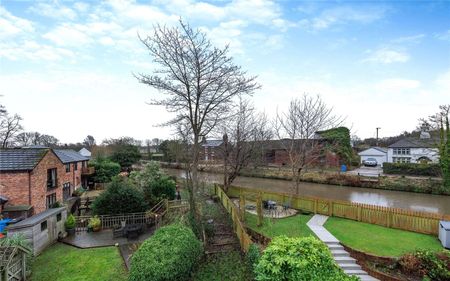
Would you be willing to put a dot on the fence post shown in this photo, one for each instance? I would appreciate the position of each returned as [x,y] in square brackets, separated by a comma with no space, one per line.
[242,206]
[358,216]
[330,208]
[259,209]
[315,206]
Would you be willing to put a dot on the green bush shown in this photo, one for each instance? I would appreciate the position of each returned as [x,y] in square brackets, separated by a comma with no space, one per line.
[426,265]
[412,169]
[126,155]
[253,255]
[70,222]
[298,259]
[120,197]
[154,183]
[105,170]
[170,254]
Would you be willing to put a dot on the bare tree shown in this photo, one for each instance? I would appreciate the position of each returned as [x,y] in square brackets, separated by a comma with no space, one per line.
[89,141]
[48,140]
[24,139]
[199,81]
[9,127]
[296,129]
[244,134]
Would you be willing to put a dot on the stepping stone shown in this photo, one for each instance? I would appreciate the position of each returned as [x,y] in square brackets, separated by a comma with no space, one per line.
[344,260]
[355,272]
[367,278]
[349,266]
[340,253]
[335,247]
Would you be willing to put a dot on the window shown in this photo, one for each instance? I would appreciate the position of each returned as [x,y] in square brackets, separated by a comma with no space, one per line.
[43,225]
[50,200]
[58,217]
[66,190]
[67,167]
[75,166]
[401,159]
[402,151]
[51,178]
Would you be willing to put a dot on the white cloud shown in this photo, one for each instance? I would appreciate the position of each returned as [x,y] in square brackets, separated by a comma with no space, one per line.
[344,15]
[33,51]
[11,25]
[443,82]
[397,85]
[53,10]
[413,39]
[444,35]
[68,35]
[387,55]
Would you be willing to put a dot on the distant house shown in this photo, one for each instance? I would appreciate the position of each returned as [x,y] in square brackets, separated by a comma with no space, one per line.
[378,153]
[34,179]
[211,150]
[84,152]
[414,150]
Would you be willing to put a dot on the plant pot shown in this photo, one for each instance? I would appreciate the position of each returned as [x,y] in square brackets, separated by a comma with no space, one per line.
[96,228]
[70,231]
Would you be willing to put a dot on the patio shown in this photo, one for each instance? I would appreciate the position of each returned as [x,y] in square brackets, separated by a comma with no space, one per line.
[103,238]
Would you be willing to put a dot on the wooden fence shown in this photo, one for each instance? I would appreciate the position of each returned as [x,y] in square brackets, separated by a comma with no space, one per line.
[154,215]
[421,222]
[244,238]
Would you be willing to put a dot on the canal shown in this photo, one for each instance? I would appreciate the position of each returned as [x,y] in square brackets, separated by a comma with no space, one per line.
[396,199]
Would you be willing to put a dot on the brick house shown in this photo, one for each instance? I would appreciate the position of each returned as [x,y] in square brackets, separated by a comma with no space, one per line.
[211,150]
[33,179]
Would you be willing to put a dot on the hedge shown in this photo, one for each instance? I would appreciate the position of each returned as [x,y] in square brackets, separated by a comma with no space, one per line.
[170,254]
[412,169]
[299,259]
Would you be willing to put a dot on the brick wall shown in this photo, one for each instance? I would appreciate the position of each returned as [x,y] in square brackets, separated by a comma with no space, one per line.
[16,185]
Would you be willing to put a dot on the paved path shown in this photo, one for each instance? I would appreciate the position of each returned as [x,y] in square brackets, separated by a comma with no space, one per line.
[340,255]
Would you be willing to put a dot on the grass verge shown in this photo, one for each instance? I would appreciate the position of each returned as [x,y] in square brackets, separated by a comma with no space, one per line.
[62,262]
[294,226]
[379,240]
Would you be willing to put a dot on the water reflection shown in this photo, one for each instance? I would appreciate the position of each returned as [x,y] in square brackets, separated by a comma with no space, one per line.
[386,198]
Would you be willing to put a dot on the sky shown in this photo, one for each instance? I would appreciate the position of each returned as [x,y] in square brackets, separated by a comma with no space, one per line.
[67,66]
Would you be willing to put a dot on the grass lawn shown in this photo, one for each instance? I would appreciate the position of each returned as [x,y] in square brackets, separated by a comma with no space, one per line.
[379,240]
[61,262]
[225,267]
[291,226]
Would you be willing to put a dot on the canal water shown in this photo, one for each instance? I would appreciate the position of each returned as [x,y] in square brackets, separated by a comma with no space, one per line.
[396,199]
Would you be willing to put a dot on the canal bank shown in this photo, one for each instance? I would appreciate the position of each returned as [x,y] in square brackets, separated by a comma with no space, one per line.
[386,198]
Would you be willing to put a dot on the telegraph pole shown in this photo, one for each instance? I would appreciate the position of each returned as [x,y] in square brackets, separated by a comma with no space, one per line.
[378,128]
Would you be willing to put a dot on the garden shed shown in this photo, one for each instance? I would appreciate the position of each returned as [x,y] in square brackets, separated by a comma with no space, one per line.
[41,230]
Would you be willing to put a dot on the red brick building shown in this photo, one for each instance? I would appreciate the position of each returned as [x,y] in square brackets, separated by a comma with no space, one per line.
[33,179]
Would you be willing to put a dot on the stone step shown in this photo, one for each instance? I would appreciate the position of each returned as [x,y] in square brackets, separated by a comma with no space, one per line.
[349,266]
[355,272]
[367,278]
[344,260]
[335,247]
[340,253]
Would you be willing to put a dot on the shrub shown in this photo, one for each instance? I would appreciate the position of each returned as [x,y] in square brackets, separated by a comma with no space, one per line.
[126,155]
[120,197]
[412,169]
[70,222]
[105,170]
[426,264]
[154,183]
[170,254]
[253,255]
[298,259]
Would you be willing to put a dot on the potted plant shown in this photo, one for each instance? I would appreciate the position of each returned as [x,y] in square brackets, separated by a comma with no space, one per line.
[95,223]
[70,225]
